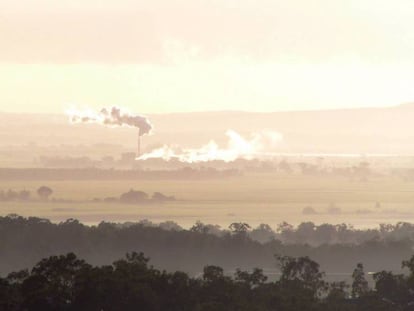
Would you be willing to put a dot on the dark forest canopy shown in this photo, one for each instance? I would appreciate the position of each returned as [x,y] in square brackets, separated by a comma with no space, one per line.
[68,283]
[338,248]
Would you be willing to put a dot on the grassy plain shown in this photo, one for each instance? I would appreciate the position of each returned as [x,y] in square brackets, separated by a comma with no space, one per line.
[253,198]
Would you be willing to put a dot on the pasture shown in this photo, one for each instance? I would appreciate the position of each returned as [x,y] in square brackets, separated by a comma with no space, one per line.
[253,198]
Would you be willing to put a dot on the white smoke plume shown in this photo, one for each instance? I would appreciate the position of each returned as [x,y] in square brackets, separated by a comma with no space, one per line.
[111,117]
[260,144]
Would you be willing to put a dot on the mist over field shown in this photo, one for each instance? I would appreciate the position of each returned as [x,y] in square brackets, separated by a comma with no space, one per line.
[321,166]
[206,155]
[215,190]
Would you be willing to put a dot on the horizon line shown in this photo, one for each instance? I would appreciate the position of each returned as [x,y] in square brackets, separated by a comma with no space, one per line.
[233,111]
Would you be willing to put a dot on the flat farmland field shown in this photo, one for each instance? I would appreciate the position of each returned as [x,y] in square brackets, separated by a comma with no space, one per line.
[252,198]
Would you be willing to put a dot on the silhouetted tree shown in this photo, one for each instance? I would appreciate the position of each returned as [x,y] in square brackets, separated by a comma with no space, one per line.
[52,283]
[69,284]
[199,227]
[212,273]
[158,196]
[359,283]
[239,228]
[254,278]
[337,291]
[392,288]
[44,192]
[133,196]
[263,233]
[301,270]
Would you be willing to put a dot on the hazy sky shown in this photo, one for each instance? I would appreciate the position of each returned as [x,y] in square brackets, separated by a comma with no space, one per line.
[193,55]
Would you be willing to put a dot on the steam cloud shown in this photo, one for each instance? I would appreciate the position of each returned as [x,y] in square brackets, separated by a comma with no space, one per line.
[111,117]
[261,144]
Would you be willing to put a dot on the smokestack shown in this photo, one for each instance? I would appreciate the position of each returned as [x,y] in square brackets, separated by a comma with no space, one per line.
[112,117]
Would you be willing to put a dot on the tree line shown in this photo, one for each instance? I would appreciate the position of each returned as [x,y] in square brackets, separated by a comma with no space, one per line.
[43,193]
[66,282]
[24,241]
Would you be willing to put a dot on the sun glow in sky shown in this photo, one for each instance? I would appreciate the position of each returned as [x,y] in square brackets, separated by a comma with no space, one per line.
[198,55]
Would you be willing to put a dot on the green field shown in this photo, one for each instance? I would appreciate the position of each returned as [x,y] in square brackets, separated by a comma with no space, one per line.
[259,198]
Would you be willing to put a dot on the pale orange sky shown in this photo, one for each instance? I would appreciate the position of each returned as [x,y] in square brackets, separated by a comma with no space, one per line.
[192,55]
